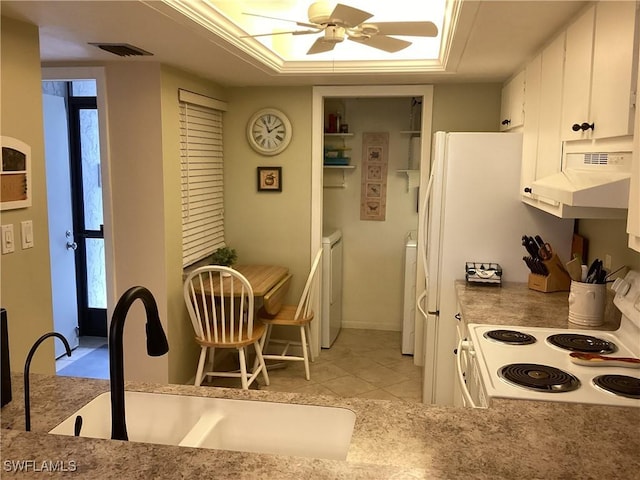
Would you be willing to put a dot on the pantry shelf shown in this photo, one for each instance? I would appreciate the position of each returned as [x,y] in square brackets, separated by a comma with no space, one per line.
[342,169]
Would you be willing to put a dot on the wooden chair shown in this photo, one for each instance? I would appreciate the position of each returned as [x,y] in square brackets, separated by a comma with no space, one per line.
[220,302]
[299,316]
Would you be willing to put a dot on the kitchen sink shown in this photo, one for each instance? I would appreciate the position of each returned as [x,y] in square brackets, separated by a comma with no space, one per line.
[218,423]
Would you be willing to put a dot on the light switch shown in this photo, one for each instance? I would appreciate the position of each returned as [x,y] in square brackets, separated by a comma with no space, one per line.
[8,245]
[27,234]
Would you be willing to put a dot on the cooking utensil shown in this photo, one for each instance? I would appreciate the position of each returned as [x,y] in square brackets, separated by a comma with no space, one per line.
[595,360]
[594,272]
[574,268]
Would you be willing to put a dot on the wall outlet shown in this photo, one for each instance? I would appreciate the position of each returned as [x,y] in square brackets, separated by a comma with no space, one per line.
[607,261]
[8,244]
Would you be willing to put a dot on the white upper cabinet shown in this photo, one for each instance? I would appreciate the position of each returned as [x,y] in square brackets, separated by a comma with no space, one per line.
[512,105]
[577,76]
[599,86]
[549,142]
[531,124]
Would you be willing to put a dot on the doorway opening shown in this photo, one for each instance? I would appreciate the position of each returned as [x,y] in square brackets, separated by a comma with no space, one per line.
[76,224]
[344,97]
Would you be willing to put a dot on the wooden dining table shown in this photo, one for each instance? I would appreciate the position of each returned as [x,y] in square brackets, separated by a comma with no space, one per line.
[261,277]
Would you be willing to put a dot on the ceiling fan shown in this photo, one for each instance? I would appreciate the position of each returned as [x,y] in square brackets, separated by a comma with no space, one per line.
[348,22]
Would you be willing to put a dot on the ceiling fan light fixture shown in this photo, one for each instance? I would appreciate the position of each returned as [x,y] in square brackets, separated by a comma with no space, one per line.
[319,12]
[333,33]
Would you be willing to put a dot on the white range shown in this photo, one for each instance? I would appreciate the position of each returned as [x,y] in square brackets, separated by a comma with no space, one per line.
[553,365]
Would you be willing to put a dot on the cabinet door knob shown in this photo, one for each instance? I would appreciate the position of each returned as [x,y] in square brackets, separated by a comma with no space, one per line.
[527,190]
[576,127]
[506,121]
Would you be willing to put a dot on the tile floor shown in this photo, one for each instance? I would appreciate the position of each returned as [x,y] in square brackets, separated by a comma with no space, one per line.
[361,363]
[86,345]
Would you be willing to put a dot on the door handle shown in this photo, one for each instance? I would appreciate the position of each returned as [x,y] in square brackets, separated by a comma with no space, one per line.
[71,245]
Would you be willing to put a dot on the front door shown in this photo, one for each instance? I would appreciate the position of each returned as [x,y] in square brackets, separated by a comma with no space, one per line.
[86,185]
[61,251]
[74,187]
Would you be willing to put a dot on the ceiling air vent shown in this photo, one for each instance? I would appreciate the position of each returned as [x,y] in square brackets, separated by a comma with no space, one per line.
[122,49]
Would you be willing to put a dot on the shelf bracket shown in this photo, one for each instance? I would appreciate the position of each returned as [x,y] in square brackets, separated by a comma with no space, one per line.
[413,178]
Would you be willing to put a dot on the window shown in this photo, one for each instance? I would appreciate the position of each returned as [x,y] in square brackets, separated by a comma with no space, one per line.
[201,162]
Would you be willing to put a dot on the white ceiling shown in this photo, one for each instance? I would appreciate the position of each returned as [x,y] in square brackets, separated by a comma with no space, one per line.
[492,40]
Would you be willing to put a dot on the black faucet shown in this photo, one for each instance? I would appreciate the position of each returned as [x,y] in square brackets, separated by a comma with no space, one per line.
[27,366]
[156,346]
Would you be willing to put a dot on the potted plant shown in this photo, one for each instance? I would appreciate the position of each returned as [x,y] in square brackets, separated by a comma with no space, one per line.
[224,256]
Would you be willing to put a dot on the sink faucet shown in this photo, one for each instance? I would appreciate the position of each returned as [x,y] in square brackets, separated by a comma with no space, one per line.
[27,366]
[156,346]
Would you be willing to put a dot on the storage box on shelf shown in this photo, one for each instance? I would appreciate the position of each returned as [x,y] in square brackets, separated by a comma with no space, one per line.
[337,156]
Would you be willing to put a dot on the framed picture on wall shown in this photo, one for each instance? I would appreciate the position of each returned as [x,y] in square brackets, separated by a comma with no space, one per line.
[15,174]
[269,179]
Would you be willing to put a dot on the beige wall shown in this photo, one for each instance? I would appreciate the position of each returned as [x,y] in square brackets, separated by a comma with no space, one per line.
[138,205]
[609,237]
[466,107]
[269,227]
[26,275]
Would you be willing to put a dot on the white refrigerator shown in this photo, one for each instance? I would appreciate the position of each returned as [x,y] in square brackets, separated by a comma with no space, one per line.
[472,213]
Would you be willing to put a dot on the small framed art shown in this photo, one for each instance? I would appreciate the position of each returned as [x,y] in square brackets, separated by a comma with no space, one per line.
[269,179]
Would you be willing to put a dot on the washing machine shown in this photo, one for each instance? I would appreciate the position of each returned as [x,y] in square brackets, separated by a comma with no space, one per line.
[409,300]
[331,287]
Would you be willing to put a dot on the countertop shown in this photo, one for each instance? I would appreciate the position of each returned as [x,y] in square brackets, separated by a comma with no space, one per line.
[517,305]
[513,439]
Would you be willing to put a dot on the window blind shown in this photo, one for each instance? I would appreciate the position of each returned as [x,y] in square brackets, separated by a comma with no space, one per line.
[201,162]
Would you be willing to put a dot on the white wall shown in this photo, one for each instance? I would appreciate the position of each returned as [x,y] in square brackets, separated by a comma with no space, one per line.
[373,250]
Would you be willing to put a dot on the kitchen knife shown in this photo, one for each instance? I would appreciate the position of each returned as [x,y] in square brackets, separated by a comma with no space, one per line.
[595,360]
[530,244]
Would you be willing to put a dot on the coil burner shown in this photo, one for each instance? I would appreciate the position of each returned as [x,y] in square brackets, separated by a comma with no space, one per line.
[622,385]
[510,337]
[539,377]
[582,343]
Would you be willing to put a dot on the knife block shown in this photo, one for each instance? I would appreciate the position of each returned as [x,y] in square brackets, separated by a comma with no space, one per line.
[558,279]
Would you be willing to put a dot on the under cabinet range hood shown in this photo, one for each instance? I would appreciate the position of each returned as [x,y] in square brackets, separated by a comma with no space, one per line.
[589,180]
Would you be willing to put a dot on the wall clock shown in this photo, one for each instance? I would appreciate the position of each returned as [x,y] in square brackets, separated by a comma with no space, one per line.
[269,131]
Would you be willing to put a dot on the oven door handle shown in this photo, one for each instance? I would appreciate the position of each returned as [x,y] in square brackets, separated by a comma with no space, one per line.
[463,385]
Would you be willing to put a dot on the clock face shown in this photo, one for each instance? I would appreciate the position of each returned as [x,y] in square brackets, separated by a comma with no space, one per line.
[269,131]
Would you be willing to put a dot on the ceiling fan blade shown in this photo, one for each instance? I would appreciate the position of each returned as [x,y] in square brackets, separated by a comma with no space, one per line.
[347,16]
[300,24]
[295,32]
[382,42]
[321,45]
[413,29]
